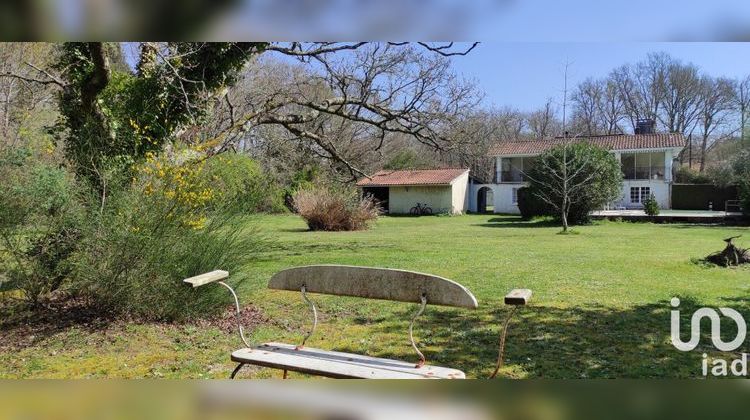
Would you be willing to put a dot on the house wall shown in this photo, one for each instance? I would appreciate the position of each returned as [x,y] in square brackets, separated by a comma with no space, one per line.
[474,195]
[402,199]
[460,194]
[503,194]
[660,190]
[502,197]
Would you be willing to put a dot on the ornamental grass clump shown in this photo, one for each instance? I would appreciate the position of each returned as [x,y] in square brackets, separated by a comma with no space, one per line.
[335,210]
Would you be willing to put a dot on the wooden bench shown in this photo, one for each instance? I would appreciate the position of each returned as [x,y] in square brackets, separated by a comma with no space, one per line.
[364,282]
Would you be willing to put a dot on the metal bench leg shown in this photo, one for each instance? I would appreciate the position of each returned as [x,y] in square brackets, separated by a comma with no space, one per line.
[237,369]
[501,350]
[315,320]
[411,331]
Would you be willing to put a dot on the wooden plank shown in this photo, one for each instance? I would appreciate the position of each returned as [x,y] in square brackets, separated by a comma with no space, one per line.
[374,283]
[518,297]
[337,364]
[206,278]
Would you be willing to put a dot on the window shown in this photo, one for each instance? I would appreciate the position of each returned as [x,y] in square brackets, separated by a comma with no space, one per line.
[657,165]
[515,195]
[627,160]
[639,194]
[634,196]
[645,193]
[642,165]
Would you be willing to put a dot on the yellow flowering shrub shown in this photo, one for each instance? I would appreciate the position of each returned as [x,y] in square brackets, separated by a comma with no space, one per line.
[182,188]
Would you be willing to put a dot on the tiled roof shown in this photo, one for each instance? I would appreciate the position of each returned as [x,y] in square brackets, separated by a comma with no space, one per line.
[416,177]
[614,142]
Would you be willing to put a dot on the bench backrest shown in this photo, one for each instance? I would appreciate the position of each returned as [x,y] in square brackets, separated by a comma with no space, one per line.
[374,283]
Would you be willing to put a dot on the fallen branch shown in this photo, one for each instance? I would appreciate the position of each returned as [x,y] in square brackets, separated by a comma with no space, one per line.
[731,256]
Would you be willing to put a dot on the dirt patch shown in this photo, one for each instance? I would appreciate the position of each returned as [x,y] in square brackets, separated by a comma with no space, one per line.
[27,327]
[250,317]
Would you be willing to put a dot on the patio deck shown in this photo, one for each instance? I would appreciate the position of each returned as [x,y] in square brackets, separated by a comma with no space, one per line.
[690,216]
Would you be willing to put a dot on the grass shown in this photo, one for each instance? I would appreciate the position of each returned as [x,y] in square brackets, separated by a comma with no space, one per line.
[600,306]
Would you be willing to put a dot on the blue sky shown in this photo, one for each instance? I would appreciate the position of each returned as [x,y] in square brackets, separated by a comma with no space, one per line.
[524,75]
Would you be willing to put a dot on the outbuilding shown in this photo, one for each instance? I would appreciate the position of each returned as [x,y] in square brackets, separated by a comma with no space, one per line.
[443,190]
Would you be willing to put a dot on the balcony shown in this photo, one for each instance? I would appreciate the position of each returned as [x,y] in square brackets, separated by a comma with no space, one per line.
[643,166]
[513,170]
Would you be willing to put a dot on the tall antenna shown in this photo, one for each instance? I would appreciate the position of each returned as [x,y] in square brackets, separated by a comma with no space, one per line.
[565,98]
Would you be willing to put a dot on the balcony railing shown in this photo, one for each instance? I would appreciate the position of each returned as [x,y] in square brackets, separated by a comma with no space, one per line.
[655,173]
[512,176]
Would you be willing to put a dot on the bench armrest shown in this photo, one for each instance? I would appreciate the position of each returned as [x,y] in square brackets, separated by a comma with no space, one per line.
[218,276]
[518,297]
[207,278]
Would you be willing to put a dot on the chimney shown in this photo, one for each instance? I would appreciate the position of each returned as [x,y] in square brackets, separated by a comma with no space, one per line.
[645,126]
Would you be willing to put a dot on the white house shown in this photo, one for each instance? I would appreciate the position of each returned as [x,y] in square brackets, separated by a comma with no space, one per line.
[646,161]
[443,190]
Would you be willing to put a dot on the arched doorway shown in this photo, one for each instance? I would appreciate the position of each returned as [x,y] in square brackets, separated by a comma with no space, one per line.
[485,200]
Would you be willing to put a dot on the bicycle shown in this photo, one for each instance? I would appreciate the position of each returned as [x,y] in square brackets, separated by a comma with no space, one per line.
[420,210]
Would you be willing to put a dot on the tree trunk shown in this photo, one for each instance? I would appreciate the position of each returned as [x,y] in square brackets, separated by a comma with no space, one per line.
[703,154]
[743,124]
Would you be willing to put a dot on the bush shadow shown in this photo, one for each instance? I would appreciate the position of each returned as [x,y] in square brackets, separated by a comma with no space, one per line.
[518,222]
[544,341]
[26,326]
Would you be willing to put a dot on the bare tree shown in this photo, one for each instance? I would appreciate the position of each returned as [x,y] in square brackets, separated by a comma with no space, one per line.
[681,99]
[20,94]
[473,138]
[611,107]
[641,86]
[742,104]
[359,91]
[351,98]
[510,123]
[587,105]
[714,110]
[543,123]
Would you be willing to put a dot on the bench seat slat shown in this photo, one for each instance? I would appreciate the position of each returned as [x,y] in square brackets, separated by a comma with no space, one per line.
[338,364]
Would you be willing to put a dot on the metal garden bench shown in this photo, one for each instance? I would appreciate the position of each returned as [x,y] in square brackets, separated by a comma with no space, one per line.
[364,282]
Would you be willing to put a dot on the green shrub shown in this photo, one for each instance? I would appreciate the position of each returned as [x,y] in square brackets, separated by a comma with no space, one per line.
[128,250]
[335,209]
[39,224]
[529,205]
[169,225]
[721,176]
[741,169]
[243,183]
[685,175]
[574,180]
[651,206]
[303,179]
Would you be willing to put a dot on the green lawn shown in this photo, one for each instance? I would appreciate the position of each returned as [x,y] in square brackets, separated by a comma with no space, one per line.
[600,306]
